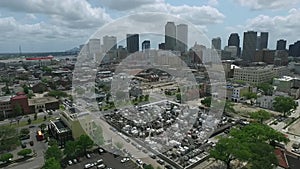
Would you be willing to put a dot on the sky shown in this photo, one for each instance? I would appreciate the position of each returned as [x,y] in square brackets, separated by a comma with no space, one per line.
[59,25]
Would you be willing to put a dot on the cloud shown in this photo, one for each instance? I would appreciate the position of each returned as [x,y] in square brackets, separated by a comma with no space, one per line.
[267,4]
[286,27]
[70,13]
[198,15]
[123,5]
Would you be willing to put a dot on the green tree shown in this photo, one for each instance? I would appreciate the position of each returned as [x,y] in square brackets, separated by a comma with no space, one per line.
[57,93]
[5,157]
[85,142]
[178,96]
[260,115]
[35,116]
[284,104]
[24,131]
[206,101]
[9,139]
[18,110]
[146,97]
[148,166]
[251,96]
[43,126]
[25,89]
[29,121]
[52,142]
[266,88]
[55,152]
[249,144]
[52,163]
[71,149]
[24,152]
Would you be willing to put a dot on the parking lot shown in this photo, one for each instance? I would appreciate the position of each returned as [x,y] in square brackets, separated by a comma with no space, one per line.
[109,160]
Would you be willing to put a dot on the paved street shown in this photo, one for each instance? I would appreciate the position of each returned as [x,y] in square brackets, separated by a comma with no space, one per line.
[39,147]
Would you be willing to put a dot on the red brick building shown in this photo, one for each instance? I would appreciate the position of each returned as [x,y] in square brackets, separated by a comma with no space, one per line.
[22,100]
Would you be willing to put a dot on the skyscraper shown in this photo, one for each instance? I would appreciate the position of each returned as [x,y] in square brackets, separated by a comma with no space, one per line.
[216,43]
[234,40]
[263,40]
[146,45]
[109,43]
[132,42]
[182,37]
[249,45]
[281,44]
[170,36]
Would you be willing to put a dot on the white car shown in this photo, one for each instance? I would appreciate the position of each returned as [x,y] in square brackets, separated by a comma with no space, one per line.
[124,160]
[70,162]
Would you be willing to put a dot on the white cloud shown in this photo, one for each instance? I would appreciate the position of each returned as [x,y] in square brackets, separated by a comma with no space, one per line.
[70,13]
[123,5]
[267,4]
[198,15]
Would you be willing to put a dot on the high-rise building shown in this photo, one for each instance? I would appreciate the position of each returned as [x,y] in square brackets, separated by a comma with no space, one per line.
[249,45]
[109,43]
[294,49]
[263,40]
[281,44]
[216,43]
[170,36]
[182,37]
[146,45]
[258,43]
[234,40]
[132,42]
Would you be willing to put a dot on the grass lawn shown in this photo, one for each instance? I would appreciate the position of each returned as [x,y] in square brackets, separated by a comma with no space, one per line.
[33,122]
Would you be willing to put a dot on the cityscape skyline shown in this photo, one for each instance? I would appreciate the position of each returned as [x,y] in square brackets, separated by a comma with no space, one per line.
[59,28]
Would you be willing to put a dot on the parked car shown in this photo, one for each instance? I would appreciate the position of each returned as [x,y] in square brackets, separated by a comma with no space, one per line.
[88,156]
[31,143]
[125,159]
[23,145]
[70,162]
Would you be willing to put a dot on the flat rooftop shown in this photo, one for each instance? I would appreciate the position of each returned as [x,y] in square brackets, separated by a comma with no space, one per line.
[41,100]
[5,99]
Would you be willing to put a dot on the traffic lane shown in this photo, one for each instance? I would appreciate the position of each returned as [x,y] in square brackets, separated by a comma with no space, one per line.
[108,159]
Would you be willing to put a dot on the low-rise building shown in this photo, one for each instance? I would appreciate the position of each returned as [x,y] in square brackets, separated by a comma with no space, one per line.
[42,104]
[76,123]
[254,75]
[265,102]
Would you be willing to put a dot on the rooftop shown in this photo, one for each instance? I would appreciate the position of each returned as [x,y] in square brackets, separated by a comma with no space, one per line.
[41,100]
[5,99]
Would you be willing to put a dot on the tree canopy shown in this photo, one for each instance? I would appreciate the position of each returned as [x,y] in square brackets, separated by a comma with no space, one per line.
[85,142]
[71,149]
[52,163]
[206,101]
[8,138]
[5,157]
[24,152]
[260,115]
[53,151]
[249,144]
[284,104]
[266,88]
